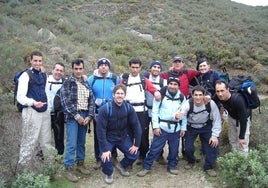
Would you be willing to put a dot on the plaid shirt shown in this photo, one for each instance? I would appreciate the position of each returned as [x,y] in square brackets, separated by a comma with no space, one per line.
[69,98]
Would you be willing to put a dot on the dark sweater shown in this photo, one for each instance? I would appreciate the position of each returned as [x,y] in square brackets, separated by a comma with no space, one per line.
[114,124]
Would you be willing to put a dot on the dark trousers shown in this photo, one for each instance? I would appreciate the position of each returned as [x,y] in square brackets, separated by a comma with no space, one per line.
[204,134]
[144,121]
[96,144]
[57,124]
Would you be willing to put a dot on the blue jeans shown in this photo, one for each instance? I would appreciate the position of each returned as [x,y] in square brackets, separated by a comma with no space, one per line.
[123,146]
[204,134]
[157,146]
[75,142]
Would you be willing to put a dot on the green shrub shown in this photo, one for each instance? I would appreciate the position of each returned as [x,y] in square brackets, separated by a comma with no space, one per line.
[31,180]
[241,170]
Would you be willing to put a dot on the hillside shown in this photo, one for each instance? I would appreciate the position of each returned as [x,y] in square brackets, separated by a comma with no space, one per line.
[228,33]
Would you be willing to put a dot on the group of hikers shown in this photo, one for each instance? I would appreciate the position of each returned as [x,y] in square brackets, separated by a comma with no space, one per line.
[179,104]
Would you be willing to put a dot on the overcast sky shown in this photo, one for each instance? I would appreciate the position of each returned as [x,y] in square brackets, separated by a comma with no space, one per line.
[253,2]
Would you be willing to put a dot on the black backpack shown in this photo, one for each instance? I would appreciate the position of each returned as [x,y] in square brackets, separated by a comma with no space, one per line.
[163,91]
[246,86]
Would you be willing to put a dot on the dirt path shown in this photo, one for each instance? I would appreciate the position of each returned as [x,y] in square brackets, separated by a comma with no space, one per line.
[159,177]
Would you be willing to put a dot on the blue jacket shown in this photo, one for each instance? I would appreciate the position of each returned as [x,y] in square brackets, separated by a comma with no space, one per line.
[164,116]
[115,123]
[102,87]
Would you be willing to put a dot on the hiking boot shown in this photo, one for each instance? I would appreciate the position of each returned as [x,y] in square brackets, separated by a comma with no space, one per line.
[69,174]
[122,170]
[109,179]
[189,166]
[81,168]
[211,172]
[143,172]
[97,165]
[161,160]
[173,171]
[139,161]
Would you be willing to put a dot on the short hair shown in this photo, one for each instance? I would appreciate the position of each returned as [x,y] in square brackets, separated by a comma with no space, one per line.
[36,53]
[120,86]
[222,82]
[134,61]
[59,63]
[198,88]
[77,62]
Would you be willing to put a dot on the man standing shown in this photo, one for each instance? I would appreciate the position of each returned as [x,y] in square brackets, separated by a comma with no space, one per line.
[178,71]
[207,77]
[166,127]
[135,94]
[239,116]
[154,77]
[114,121]
[102,83]
[203,120]
[36,124]
[54,83]
[78,104]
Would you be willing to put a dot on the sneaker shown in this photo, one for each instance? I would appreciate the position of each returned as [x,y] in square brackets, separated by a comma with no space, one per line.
[82,169]
[189,166]
[143,172]
[211,172]
[97,165]
[139,161]
[122,170]
[161,160]
[109,179]
[69,174]
[173,171]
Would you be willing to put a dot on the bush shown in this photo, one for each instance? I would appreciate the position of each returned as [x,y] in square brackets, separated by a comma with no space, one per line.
[250,170]
[31,180]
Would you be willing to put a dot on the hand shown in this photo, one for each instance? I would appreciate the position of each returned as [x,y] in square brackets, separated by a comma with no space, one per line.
[213,142]
[133,149]
[182,133]
[86,121]
[241,143]
[80,120]
[39,104]
[179,114]
[157,132]
[207,99]
[157,96]
[106,156]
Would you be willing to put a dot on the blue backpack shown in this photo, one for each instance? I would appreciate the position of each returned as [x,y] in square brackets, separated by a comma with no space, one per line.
[246,86]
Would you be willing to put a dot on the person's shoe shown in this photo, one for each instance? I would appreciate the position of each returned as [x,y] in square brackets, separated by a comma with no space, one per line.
[139,161]
[69,174]
[143,172]
[189,166]
[109,179]
[173,171]
[81,168]
[211,172]
[122,170]
[97,165]
[161,160]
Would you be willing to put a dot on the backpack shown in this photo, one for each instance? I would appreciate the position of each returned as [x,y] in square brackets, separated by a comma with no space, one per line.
[224,75]
[113,78]
[16,83]
[245,86]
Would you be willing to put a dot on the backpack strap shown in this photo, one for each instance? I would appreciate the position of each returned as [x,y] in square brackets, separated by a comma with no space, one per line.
[113,78]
